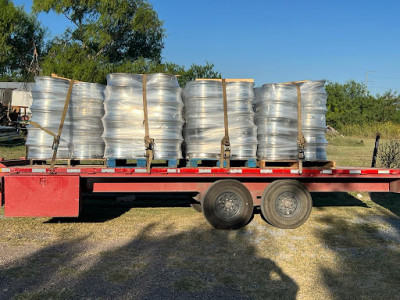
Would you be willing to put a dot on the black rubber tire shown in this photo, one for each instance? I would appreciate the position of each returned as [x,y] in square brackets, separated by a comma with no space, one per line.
[227,204]
[286,204]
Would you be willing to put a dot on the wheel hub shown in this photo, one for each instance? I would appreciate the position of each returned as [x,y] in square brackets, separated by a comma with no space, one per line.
[227,205]
[287,204]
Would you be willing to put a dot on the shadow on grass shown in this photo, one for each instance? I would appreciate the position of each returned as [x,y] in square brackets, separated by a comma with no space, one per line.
[335,199]
[199,263]
[390,201]
[13,143]
[102,208]
[367,257]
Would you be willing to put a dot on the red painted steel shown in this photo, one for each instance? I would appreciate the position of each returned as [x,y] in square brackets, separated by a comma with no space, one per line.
[37,191]
[347,186]
[41,196]
[150,187]
[255,187]
[1,191]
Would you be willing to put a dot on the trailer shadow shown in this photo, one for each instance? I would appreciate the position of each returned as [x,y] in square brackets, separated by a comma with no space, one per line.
[390,201]
[367,256]
[102,208]
[198,263]
[336,199]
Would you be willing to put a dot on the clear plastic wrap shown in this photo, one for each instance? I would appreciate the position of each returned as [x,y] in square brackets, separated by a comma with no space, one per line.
[313,112]
[204,114]
[123,120]
[276,120]
[81,135]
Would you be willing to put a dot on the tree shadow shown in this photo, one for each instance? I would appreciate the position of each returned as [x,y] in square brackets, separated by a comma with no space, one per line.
[101,208]
[367,257]
[198,263]
[336,199]
[390,201]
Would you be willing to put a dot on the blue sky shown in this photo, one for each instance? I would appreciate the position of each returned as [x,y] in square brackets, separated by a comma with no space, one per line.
[275,41]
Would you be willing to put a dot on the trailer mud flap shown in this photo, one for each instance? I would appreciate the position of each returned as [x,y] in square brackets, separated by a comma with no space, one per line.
[41,196]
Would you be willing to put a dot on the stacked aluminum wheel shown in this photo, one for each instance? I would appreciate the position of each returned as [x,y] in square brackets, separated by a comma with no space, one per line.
[276,120]
[49,96]
[313,108]
[204,114]
[165,115]
[81,134]
[124,129]
[85,111]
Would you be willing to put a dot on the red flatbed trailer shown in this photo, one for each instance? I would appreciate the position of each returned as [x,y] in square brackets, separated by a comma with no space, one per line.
[227,196]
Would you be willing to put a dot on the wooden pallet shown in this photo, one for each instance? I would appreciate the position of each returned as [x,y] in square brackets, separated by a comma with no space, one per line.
[294,164]
[236,163]
[141,163]
[68,162]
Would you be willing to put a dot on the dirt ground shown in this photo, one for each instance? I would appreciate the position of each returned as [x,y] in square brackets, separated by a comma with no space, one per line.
[349,248]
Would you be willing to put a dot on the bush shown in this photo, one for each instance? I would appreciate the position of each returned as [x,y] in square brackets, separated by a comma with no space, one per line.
[389,154]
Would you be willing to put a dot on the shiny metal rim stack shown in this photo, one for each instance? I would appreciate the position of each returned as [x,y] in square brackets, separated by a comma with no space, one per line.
[86,110]
[276,120]
[204,114]
[48,102]
[313,108]
[123,120]
[82,127]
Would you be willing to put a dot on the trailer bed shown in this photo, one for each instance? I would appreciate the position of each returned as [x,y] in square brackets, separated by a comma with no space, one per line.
[40,191]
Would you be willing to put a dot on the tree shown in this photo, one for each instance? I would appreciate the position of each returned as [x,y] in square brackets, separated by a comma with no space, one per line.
[346,103]
[143,66]
[71,61]
[198,71]
[388,107]
[20,34]
[351,103]
[107,33]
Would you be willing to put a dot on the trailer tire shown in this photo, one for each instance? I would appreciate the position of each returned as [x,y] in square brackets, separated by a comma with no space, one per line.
[286,204]
[227,204]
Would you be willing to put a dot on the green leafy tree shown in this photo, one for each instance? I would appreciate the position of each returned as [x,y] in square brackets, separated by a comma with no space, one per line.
[71,61]
[346,103]
[143,66]
[104,35]
[388,107]
[19,33]
[351,103]
[198,71]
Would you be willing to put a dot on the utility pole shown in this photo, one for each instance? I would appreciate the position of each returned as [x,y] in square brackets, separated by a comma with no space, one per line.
[366,77]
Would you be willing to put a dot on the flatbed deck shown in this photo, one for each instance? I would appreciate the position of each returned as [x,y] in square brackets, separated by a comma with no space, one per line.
[36,190]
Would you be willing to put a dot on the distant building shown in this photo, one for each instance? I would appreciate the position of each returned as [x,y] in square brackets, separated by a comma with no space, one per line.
[20,86]
[17,93]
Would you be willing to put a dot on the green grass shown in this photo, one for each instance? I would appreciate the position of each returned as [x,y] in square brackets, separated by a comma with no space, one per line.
[348,151]
[388,130]
[12,152]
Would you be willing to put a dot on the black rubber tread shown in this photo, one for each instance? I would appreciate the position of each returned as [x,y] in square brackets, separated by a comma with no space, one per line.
[270,195]
[244,214]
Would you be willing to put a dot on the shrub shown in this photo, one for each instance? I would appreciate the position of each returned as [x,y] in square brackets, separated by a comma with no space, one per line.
[389,154]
